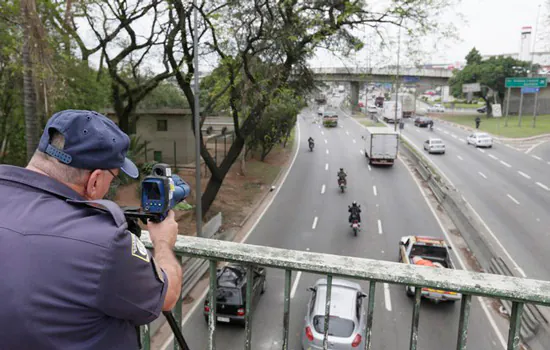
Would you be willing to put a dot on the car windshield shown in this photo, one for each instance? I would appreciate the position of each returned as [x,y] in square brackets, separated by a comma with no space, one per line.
[337,327]
[437,142]
[231,296]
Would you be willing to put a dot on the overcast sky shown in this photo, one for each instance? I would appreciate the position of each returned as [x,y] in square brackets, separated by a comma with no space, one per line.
[492,26]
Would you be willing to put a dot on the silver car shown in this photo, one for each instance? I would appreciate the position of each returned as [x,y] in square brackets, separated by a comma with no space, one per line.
[434,145]
[346,329]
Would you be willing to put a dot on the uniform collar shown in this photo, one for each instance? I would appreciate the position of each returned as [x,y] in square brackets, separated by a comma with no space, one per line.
[39,181]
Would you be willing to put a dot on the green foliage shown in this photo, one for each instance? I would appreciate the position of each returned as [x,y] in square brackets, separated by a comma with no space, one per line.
[165,95]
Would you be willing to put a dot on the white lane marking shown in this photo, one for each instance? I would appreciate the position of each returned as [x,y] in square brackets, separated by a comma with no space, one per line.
[361,151]
[454,136]
[379,227]
[481,150]
[417,130]
[369,167]
[198,301]
[322,132]
[505,164]
[533,147]
[513,199]
[543,186]
[536,157]
[327,151]
[492,156]
[353,140]
[446,132]
[462,140]
[323,189]
[326,166]
[374,190]
[444,230]
[347,132]
[438,129]
[524,174]
[326,141]
[314,223]
[387,299]
[295,284]
[459,157]
[482,175]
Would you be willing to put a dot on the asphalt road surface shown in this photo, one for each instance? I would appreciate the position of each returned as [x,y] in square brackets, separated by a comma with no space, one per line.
[508,188]
[310,213]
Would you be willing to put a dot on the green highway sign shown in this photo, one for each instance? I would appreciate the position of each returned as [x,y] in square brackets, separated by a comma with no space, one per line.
[525,82]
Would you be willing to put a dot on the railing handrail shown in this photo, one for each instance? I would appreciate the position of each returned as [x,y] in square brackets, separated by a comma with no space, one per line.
[474,283]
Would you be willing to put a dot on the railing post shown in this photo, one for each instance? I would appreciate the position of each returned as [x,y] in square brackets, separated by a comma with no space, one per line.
[178,311]
[515,326]
[286,315]
[248,308]
[415,318]
[463,322]
[370,315]
[145,335]
[327,312]
[212,304]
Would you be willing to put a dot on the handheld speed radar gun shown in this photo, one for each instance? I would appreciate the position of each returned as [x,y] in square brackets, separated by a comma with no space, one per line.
[162,191]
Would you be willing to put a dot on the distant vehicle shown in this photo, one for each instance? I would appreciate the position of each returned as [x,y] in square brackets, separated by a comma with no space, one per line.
[341,88]
[480,139]
[482,110]
[409,105]
[330,118]
[347,316]
[372,109]
[427,251]
[321,99]
[379,101]
[436,108]
[231,293]
[434,145]
[321,111]
[389,113]
[381,145]
[422,122]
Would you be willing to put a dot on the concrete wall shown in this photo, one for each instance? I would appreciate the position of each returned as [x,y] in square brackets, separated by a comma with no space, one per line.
[543,102]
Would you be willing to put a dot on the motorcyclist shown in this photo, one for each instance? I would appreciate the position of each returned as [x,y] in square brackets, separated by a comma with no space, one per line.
[431,124]
[310,140]
[355,211]
[342,176]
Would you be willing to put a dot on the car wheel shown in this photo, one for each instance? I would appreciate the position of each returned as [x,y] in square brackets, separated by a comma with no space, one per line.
[443,152]
[263,287]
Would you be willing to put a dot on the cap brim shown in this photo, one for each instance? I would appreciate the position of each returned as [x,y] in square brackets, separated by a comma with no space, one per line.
[130,168]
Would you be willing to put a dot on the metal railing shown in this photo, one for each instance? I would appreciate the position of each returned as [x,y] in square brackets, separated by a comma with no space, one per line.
[516,290]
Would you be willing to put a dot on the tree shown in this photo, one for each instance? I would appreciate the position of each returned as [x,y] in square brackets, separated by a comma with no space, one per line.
[490,73]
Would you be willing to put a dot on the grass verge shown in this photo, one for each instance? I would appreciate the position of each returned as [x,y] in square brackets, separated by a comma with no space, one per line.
[492,126]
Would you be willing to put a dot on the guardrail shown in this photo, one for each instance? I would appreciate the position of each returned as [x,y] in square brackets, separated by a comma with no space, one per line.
[473,234]
[516,290]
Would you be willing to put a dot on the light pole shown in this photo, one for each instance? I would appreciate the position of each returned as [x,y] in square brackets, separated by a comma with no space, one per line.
[397,78]
[196,116]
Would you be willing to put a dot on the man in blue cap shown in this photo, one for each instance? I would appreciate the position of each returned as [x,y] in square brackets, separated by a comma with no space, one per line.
[74,276]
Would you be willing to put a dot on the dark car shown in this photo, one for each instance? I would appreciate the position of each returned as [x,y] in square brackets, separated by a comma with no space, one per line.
[422,121]
[482,109]
[231,293]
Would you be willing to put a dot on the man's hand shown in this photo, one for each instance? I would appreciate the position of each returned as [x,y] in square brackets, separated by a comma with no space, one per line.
[165,231]
[163,235]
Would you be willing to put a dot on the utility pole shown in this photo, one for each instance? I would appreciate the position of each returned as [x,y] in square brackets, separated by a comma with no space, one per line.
[397,78]
[198,188]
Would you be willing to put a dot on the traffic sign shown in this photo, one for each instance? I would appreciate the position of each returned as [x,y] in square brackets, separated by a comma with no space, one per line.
[526,82]
[409,79]
[529,90]
[475,87]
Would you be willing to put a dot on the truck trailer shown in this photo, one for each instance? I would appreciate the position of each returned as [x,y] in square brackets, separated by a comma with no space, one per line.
[381,145]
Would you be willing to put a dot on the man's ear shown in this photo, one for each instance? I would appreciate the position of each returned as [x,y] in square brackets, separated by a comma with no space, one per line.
[93,183]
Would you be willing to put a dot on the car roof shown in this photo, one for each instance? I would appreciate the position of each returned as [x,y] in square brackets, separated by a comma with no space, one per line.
[435,139]
[343,298]
[232,275]
[482,134]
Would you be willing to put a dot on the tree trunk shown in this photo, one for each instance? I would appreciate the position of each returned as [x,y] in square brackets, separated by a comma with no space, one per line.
[29,95]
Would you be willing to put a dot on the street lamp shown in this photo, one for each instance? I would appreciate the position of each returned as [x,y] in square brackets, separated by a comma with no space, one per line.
[397,77]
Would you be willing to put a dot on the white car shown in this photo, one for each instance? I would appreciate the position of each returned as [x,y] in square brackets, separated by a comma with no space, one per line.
[480,139]
[434,145]
[436,108]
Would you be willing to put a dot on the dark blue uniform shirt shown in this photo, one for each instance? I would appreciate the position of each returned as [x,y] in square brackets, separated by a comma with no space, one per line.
[72,277]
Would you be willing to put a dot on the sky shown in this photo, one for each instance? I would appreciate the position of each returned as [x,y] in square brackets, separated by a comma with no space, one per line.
[492,26]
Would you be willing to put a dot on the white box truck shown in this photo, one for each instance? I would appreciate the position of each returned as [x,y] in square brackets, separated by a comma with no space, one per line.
[381,145]
[409,105]
[388,112]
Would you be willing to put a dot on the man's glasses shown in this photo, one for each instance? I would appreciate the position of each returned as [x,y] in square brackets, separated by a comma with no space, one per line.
[116,180]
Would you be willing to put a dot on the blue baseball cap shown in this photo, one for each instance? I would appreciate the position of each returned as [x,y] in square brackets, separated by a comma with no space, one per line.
[92,141]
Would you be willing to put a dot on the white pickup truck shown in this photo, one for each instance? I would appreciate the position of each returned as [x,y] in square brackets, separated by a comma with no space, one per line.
[381,145]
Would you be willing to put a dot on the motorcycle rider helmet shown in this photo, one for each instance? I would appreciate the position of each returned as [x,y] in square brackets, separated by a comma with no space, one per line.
[341,169]
[354,203]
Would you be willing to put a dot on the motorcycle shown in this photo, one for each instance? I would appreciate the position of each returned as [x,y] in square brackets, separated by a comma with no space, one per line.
[342,184]
[311,144]
[355,226]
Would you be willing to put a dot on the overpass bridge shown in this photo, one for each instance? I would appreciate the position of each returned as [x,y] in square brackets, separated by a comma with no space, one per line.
[356,76]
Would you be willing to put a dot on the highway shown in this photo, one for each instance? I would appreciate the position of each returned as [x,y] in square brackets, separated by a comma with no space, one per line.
[509,189]
[309,213]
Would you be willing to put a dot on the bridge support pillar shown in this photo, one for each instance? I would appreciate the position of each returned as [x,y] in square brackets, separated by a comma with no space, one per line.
[354,96]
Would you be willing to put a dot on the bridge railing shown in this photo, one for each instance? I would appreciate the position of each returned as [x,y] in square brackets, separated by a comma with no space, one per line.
[517,290]
[403,71]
